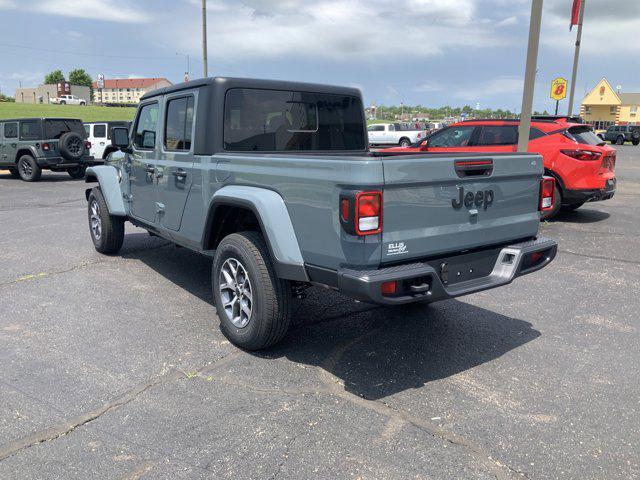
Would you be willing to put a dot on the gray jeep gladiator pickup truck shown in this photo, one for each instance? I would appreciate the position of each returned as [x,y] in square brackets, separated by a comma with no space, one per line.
[274,180]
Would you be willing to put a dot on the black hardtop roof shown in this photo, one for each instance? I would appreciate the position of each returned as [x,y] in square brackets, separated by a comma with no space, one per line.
[107,121]
[38,118]
[234,82]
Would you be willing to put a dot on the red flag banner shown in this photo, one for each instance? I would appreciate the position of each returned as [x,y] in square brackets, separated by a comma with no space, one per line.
[575,13]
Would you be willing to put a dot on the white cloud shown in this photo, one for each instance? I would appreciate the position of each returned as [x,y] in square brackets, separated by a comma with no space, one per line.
[501,85]
[339,30]
[429,87]
[6,4]
[507,22]
[26,77]
[604,26]
[106,10]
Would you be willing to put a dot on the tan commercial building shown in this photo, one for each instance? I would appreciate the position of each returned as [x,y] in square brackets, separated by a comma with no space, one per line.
[43,93]
[604,106]
[126,90]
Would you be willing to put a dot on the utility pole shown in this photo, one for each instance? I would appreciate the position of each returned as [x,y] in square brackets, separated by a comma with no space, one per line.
[575,57]
[204,37]
[530,75]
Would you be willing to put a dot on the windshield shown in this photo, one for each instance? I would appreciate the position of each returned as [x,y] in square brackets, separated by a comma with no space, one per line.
[55,128]
[584,135]
[278,120]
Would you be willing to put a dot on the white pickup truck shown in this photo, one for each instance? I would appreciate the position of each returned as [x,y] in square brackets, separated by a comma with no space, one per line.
[68,100]
[393,134]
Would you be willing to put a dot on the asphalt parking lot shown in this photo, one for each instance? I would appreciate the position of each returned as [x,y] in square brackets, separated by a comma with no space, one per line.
[114,367]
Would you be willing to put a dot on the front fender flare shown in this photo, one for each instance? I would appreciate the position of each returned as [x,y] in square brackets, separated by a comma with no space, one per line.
[108,178]
[275,222]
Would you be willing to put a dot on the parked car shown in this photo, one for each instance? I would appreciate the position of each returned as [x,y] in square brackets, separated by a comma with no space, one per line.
[30,145]
[583,166]
[99,135]
[67,100]
[393,134]
[275,182]
[619,134]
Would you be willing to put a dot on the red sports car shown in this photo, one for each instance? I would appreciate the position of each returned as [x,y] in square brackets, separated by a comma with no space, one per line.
[583,166]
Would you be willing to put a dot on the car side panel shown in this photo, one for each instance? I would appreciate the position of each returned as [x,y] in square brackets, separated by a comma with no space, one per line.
[109,181]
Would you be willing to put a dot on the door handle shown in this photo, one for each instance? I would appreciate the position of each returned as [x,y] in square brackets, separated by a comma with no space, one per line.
[150,169]
[180,173]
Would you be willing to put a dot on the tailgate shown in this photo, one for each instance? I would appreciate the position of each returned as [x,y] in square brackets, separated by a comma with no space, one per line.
[436,204]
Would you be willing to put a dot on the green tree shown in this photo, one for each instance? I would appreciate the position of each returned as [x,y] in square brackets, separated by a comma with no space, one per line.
[80,77]
[54,77]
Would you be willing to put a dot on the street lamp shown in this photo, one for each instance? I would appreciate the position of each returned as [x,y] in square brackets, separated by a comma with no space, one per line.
[187,72]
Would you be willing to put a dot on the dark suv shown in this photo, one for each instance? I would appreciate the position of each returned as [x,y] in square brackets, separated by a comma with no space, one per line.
[619,134]
[29,145]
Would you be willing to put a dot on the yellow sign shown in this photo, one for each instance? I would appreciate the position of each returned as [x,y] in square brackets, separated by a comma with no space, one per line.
[558,88]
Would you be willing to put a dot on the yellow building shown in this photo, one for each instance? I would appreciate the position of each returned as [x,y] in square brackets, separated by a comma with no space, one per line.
[604,106]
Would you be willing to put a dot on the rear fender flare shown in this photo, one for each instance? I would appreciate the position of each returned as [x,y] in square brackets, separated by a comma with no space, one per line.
[108,178]
[275,223]
[28,149]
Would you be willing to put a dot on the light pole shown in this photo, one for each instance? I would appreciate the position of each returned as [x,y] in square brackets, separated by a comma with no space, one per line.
[530,75]
[204,37]
[188,68]
[576,55]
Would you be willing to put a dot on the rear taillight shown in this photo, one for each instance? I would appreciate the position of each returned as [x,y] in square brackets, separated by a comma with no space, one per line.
[361,212]
[547,194]
[578,154]
[608,162]
[46,147]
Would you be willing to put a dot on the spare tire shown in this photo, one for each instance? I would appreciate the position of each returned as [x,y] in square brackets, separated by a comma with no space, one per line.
[71,146]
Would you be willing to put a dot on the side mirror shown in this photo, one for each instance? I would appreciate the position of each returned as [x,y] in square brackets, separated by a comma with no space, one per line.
[424,145]
[120,137]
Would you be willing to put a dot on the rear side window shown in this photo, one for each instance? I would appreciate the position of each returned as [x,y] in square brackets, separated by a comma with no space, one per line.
[30,130]
[278,120]
[144,135]
[100,131]
[498,135]
[178,124]
[10,130]
[452,137]
[583,135]
[56,128]
[376,128]
[535,133]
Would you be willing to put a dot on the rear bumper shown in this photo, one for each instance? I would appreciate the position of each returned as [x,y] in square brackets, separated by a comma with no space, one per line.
[590,195]
[63,163]
[426,281]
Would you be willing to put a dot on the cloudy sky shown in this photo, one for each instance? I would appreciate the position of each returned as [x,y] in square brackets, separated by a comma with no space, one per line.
[432,52]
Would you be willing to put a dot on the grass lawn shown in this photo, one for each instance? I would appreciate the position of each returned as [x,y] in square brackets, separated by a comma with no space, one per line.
[88,113]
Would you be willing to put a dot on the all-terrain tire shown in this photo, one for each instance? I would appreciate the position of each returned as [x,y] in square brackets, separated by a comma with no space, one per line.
[620,140]
[77,172]
[270,305]
[28,169]
[108,238]
[404,142]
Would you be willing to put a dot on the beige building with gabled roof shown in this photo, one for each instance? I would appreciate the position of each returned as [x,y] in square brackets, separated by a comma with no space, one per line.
[604,106]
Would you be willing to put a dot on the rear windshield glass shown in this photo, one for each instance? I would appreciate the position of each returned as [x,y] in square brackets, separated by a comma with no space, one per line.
[55,128]
[278,120]
[584,135]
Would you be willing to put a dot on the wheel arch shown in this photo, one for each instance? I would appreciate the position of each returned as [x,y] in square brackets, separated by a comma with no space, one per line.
[108,179]
[237,207]
[29,150]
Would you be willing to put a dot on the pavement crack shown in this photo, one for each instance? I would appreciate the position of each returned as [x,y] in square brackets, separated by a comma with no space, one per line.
[336,387]
[600,257]
[68,426]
